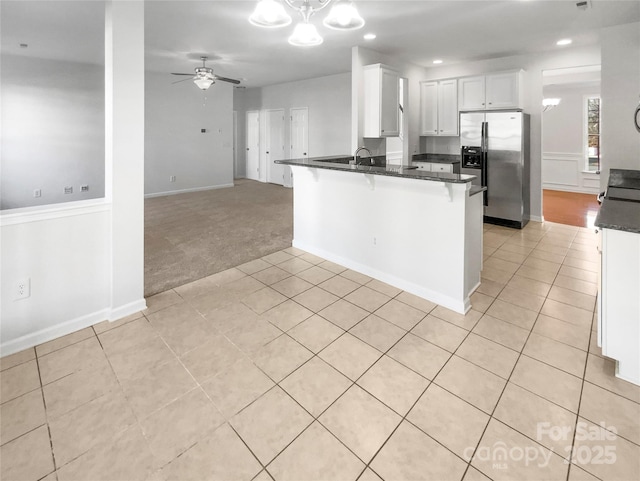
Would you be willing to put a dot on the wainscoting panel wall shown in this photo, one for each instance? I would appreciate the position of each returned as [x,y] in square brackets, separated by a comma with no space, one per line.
[565,171]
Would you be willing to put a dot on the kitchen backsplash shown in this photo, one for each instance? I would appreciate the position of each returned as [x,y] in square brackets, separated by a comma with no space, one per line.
[440,145]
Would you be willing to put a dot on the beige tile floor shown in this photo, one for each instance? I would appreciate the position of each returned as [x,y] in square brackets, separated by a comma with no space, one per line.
[293,368]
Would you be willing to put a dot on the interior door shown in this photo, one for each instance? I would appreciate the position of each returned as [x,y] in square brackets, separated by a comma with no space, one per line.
[253,145]
[299,135]
[274,148]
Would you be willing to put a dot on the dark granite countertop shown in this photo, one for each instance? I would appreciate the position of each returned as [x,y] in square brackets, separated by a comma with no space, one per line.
[621,193]
[625,179]
[619,215]
[620,209]
[337,163]
[436,158]
[476,189]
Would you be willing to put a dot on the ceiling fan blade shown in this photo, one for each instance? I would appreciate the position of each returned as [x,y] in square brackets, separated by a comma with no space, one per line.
[189,74]
[183,80]
[225,79]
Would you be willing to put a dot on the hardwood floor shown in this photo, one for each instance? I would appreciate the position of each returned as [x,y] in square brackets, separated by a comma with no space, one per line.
[569,208]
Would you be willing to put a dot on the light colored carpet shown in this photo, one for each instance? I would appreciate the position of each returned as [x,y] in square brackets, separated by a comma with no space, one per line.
[193,235]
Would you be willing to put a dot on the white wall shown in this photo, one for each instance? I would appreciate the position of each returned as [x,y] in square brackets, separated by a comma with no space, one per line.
[174,144]
[620,97]
[533,66]
[564,150]
[64,252]
[328,100]
[85,259]
[52,131]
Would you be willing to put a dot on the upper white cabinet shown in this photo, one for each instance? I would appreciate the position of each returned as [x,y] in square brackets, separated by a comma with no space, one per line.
[472,96]
[381,102]
[439,107]
[489,92]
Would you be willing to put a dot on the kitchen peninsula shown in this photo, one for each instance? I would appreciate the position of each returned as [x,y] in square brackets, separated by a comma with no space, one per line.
[416,230]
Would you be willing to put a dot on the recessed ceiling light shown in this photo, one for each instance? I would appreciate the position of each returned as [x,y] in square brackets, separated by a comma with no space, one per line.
[369,36]
[564,41]
[437,61]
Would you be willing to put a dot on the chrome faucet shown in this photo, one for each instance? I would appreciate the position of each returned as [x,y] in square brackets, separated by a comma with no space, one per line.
[355,156]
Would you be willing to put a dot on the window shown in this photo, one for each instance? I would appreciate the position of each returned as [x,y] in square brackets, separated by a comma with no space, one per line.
[593,134]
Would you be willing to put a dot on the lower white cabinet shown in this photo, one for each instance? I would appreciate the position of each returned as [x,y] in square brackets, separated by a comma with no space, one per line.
[619,302]
[434,166]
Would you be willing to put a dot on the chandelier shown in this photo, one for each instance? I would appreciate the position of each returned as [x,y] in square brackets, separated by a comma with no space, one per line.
[550,103]
[272,14]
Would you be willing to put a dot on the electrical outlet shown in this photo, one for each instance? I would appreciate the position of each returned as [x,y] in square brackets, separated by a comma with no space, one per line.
[37,193]
[22,289]
[68,190]
[84,188]
[172,178]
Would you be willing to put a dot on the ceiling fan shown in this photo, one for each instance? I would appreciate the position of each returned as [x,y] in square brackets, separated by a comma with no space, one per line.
[204,76]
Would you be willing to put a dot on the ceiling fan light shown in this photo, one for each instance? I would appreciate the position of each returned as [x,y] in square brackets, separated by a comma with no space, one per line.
[305,35]
[203,83]
[269,14]
[344,16]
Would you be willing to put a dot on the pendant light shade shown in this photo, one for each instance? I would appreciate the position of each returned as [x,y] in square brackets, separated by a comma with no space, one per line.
[305,35]
[270,14]
[343,16]
[203,83]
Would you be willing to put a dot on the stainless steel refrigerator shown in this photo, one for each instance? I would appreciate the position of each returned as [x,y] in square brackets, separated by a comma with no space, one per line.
[495,147]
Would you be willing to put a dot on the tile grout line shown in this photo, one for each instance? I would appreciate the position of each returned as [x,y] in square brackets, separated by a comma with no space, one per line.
[491,415]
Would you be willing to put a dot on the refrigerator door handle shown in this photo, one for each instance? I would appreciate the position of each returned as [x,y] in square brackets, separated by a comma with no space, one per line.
[484,175]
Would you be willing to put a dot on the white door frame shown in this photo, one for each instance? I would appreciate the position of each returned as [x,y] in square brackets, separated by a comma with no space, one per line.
[304,149]
[305,152]
[252,172]
[273,151]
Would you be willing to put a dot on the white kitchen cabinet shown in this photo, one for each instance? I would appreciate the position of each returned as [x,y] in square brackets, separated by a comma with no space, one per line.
[381,101]
[439,108]
[437,167]
[434,166]
[494,91]
[472,93]
[618,304]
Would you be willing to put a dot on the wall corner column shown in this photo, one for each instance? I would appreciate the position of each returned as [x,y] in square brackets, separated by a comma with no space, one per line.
[124,152]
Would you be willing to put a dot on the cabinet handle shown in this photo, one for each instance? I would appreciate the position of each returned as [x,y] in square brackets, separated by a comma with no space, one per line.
[482,103]
[489,103]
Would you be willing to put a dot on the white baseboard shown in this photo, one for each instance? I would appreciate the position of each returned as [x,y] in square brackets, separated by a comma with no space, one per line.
[53,332]
[127,309]
[536,218]
[68,327]
[184,191]
[570,188]
[445,301]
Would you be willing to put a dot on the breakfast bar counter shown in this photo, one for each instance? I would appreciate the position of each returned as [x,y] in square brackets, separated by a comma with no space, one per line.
[415,230]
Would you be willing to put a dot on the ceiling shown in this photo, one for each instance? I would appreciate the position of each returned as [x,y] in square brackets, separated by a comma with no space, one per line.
[178,32]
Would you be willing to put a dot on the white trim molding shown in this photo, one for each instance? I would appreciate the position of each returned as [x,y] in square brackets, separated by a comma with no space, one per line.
[184,191]
[564,171]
